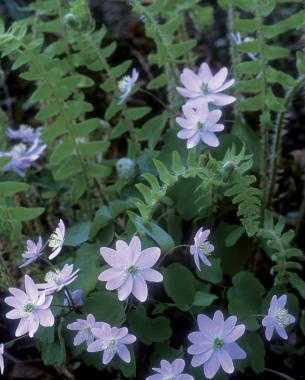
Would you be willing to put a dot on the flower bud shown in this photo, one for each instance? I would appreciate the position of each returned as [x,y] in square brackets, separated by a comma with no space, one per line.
[126,168]
[228,169]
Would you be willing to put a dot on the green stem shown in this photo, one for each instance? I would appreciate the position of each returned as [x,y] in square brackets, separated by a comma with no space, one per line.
[277,138]
[281,374]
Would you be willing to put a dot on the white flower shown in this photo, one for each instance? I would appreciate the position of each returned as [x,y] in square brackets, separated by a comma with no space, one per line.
[202,248]
[57,239]
[126,84]
[199,124]
[58,279]
[1,358]
[33,252]
[84,328]
[31,307]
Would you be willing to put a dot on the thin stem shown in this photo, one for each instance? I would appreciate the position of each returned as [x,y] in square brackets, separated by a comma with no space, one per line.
[281,374]
[157,99]
[277,138]
[11,342]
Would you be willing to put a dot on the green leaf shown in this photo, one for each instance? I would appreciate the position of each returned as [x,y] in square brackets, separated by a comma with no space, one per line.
[22,214]
[254,346]
[77,234]
[53,353]
[106,307]
[296,281]
[203,299]
[179,284]
[245,298]
[211,274]
[146,329]
[10,188]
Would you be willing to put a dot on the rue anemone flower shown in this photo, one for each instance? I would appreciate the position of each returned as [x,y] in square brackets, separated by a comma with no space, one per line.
[170,371]
[57,279]
[126,84]
[202,248]
[84,328]
[130,268]
[25,133]
[56,240]
[1,358]
[32,253]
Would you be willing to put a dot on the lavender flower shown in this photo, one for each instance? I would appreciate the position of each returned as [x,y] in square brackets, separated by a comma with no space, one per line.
[31,307]
[77,298]
[131,268]
[199,124]
[214,344]
[58,279]
[205,87]
[201,248]
[171,371]
[112,340]
[22,157]
[57,239]
[32,253]
[277,318]
[126,84]
[24,133]
[84,328]
[1,358]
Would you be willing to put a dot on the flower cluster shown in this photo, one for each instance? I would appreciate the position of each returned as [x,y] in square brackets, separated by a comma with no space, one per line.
[203,91]
[23,154]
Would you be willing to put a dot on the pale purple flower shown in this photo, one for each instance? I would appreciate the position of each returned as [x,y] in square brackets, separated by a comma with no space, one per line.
[214,344]
[131,268]
[33,252]
[205,87]
[56,240]
[199,124]
[201,248]
[84,328]
[1,358]
[57,279]
[171,371]
[237,38]
[277,318]
[31,307]
[112,340]
[24,133]
[22,156]
[126,85]
[77,298]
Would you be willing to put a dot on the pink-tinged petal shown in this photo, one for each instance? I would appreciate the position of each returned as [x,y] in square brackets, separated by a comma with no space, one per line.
[197,261]
[33,324]
[196,337]
[95,346]
[226,85]
[90,320]
[223,100]
[178,366]
[76,325]
[201,101]
[235,351]
[216,128]
[205,73]
[154,377]
[185,376]
[187,93]
[187,133]
[229,325]
[110,256]
[148,258]
[15,314]
[281,302]
[117,281]
[267,321]
[200,233]
[46,317]
[118,333]
[79,339]
[30,288]
[13,301]
[110,274]
[205,260]
[166,367]
[128,339]
[151,275]
[211,367]
[190,80]
[273,308]
[269,332]
[189,112]
[199,359]
[225,361]
[135,248]
[185,123]
[218,322]
[281,331]
[108,356]
[203,112]
[218,79]
[236,333]
[123,353]
[210,139]
[23,327]
[125,289]
[206,326]
[193,141]
[139,288]
[213,117]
